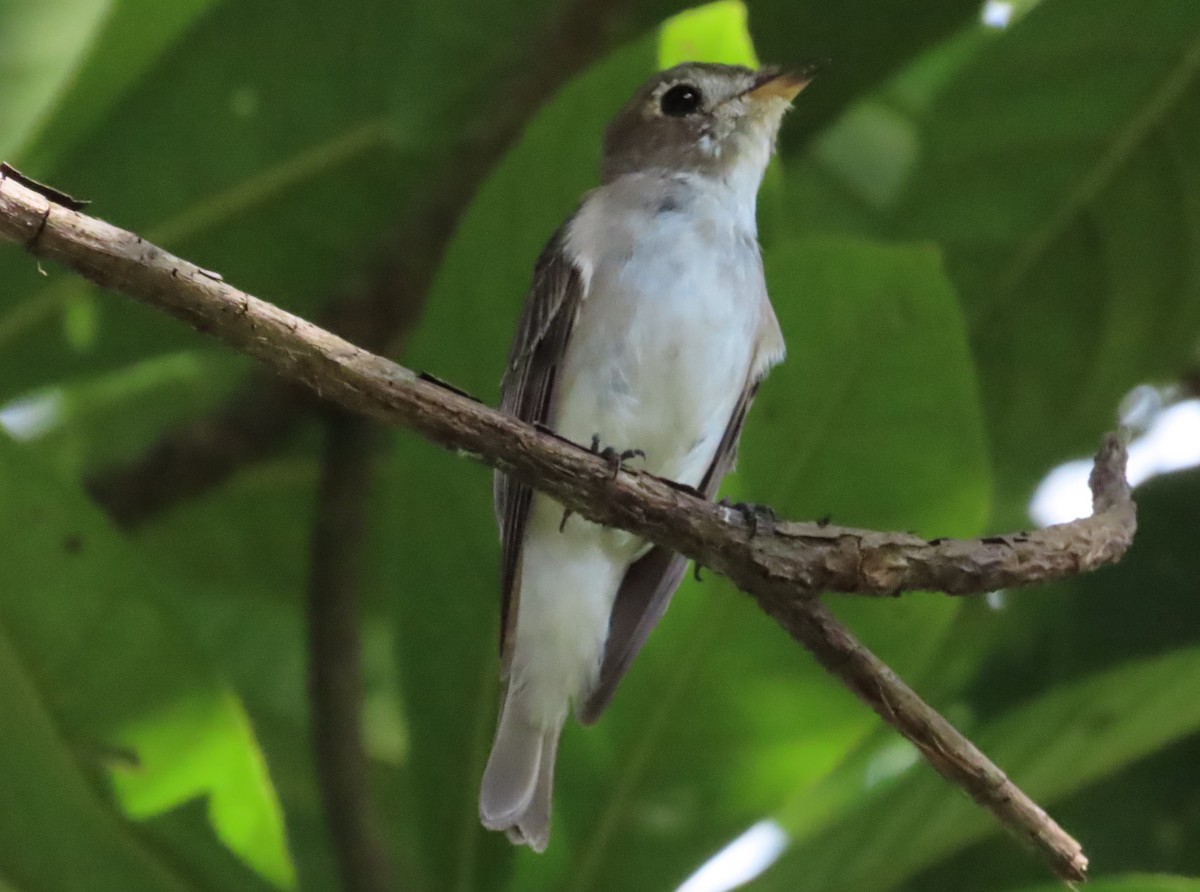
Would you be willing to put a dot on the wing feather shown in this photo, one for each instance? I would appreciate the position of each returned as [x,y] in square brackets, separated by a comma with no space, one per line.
[527,391]
[650,582]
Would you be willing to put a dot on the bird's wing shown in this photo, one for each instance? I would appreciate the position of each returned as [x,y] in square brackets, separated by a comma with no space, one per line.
[527,391]
[650,581]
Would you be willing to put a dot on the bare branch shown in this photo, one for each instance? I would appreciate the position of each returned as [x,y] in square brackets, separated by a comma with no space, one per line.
[951,754]
[781,568]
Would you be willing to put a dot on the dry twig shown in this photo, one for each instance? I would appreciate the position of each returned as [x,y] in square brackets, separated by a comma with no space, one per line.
[782,568]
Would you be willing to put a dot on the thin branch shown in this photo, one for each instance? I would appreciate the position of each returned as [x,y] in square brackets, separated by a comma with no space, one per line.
[782,568]
[951,754]
[262,416]
[335,653]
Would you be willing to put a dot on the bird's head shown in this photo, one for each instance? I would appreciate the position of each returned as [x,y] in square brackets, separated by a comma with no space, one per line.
[701,118]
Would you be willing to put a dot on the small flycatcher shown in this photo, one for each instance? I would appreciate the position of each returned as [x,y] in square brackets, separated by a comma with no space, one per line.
[647,329]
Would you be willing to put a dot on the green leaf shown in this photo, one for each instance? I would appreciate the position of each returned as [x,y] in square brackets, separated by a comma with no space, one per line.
[206,747]
[1052,746]
[1065,190]
[163,724]
[273,148]
[131,37]
[878,387]
[875,402]
[243,552]
[1089,624]
[106,420]
[713,33]
[857,50]
[874,416]
[445,609]
[41,45]
[45,800]
[1134,882]
[855,171]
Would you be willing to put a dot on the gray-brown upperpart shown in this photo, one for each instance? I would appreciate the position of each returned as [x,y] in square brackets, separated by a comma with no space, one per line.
[700,118]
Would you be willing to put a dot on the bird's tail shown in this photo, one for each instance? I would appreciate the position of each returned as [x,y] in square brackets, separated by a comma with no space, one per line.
[518,782]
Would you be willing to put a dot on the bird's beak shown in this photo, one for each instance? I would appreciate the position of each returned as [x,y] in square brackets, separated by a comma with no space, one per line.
[784,85]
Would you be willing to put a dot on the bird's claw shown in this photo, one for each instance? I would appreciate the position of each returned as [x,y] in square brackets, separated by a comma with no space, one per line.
[616,460]
[760,518]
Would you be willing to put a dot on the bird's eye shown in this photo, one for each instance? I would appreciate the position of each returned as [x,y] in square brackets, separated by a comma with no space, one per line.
[681,100]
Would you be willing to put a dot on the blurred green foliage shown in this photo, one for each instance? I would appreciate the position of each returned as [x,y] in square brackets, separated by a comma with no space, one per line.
[977,241]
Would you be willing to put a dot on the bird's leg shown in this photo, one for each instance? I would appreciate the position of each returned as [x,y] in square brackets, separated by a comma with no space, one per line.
[616,460]
[760,518]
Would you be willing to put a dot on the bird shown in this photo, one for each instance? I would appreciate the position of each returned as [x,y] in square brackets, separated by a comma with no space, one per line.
[644,336]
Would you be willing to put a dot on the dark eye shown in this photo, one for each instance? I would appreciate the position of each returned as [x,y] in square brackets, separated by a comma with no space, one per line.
[681,100]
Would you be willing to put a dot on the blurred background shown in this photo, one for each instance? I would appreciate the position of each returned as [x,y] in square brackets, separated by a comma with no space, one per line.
[982,236]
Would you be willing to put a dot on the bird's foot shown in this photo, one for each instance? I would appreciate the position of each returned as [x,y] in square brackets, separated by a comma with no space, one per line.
[616,459]
[760,518]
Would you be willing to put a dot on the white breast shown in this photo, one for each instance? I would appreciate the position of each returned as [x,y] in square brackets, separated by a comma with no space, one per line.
[670,327]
